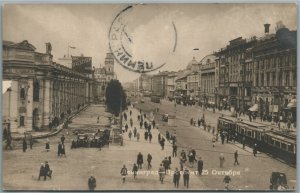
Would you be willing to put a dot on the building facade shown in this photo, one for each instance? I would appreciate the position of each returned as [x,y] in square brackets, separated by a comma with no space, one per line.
[274,73]
[41,92]
[171,84]
[208,80]
[193,86]
[159,84]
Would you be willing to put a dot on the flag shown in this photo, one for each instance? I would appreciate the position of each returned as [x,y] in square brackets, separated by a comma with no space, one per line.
[72,47]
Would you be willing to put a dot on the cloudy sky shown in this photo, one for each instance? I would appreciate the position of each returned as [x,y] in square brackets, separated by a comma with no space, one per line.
[208,27]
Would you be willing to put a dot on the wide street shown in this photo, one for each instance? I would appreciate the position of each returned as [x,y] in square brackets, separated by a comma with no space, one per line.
[72,172]
[254,171]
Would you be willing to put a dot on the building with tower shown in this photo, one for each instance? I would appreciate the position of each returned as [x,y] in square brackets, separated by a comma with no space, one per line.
[103,75]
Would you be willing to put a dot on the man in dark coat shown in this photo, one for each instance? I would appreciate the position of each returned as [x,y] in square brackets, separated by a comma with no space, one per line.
[134,170]
[149,159]
[92,183]
[140,160]
[236,158]
[150,136]
[146,135]
[200,166]
[166,164]
[59,149]
[186,177]
[126,127]
[42,172]
[174,150]
[24,145]
[8,143]
[162,143]
[176,177]
[48,171]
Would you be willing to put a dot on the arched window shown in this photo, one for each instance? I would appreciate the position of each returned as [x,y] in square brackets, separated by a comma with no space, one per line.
[36,91]
[22,93]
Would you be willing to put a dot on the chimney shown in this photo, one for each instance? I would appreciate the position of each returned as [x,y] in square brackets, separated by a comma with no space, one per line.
[267,26]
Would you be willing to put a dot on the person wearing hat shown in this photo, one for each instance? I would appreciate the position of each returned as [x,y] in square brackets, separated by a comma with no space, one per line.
[48,171]
[186,177]
[92,183]
[124,173]
[42,172]
[176,177]
[200,166]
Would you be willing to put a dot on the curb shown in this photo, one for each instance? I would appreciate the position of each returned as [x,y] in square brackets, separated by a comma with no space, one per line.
[51,133]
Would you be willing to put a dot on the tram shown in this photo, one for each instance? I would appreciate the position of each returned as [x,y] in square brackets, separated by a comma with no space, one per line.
[279,144]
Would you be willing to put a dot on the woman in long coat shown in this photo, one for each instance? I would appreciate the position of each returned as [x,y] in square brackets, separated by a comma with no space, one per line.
[24,145]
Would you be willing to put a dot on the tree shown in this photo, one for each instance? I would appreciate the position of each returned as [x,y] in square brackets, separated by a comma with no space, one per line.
[115,95]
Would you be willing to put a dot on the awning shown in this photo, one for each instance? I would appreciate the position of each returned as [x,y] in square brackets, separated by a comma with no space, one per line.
[292,104]
[254,108]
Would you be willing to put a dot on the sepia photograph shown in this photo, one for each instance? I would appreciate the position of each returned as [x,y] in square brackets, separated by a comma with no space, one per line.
[149,97]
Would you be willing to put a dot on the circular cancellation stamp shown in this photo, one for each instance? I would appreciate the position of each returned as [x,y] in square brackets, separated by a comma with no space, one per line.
[130,43]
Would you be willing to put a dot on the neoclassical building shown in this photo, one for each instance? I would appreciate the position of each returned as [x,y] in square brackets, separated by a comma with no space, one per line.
[41,92]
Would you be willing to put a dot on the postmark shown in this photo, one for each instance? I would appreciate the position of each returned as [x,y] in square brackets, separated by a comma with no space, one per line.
[125,46]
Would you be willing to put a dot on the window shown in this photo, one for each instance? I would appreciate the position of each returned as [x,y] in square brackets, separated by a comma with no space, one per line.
[36,91]
[291,148]
[262,79]
[283,146]
[22,119]
[274,79]
[287,79]
[22,93]
[277,143]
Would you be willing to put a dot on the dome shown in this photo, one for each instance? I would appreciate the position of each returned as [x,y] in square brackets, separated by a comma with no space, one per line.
[192,64]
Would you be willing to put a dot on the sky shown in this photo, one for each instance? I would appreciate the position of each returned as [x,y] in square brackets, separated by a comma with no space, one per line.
[207,27]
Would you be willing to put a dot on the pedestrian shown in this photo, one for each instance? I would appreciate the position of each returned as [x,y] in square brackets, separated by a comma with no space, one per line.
[131,122]
[141,124]
[98,118]
[255,149]
[59,149]
[162,143]
[92,183]
[63,150]
[8,142]
[140,160]
[126,127]
[213,141]
[130,112]
[134,170]
[222,160]
[176,177]
[48,171]
[138,136]
[236,158]
[153,123]
[244,142]
[130,134]
[134,132]
[168,135]
[138,117]
[149,159]
[42,172]
[186,178]
[200,166]
[183,156]
[62,139]
[47,147]
[150,137]
[24,145]
[30,141]
[199,122]
[161,172]
[159,137]
[181,162]
[191,121]
[166,164]
[174,150]
[146,135]
[226,180]
[124,173]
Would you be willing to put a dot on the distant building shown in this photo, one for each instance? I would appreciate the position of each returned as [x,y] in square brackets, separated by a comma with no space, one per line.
[193,86]
[159,84]
[171,84]
[104,75]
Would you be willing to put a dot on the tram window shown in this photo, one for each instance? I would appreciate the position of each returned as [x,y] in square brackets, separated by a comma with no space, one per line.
[291,147]
[283,146]
[277,143]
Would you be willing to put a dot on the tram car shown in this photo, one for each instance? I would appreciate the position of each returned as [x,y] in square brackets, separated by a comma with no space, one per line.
[279,144]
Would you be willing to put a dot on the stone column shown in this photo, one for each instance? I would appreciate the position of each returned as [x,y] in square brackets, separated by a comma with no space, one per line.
[13,107]
[47,103]
[29,106]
